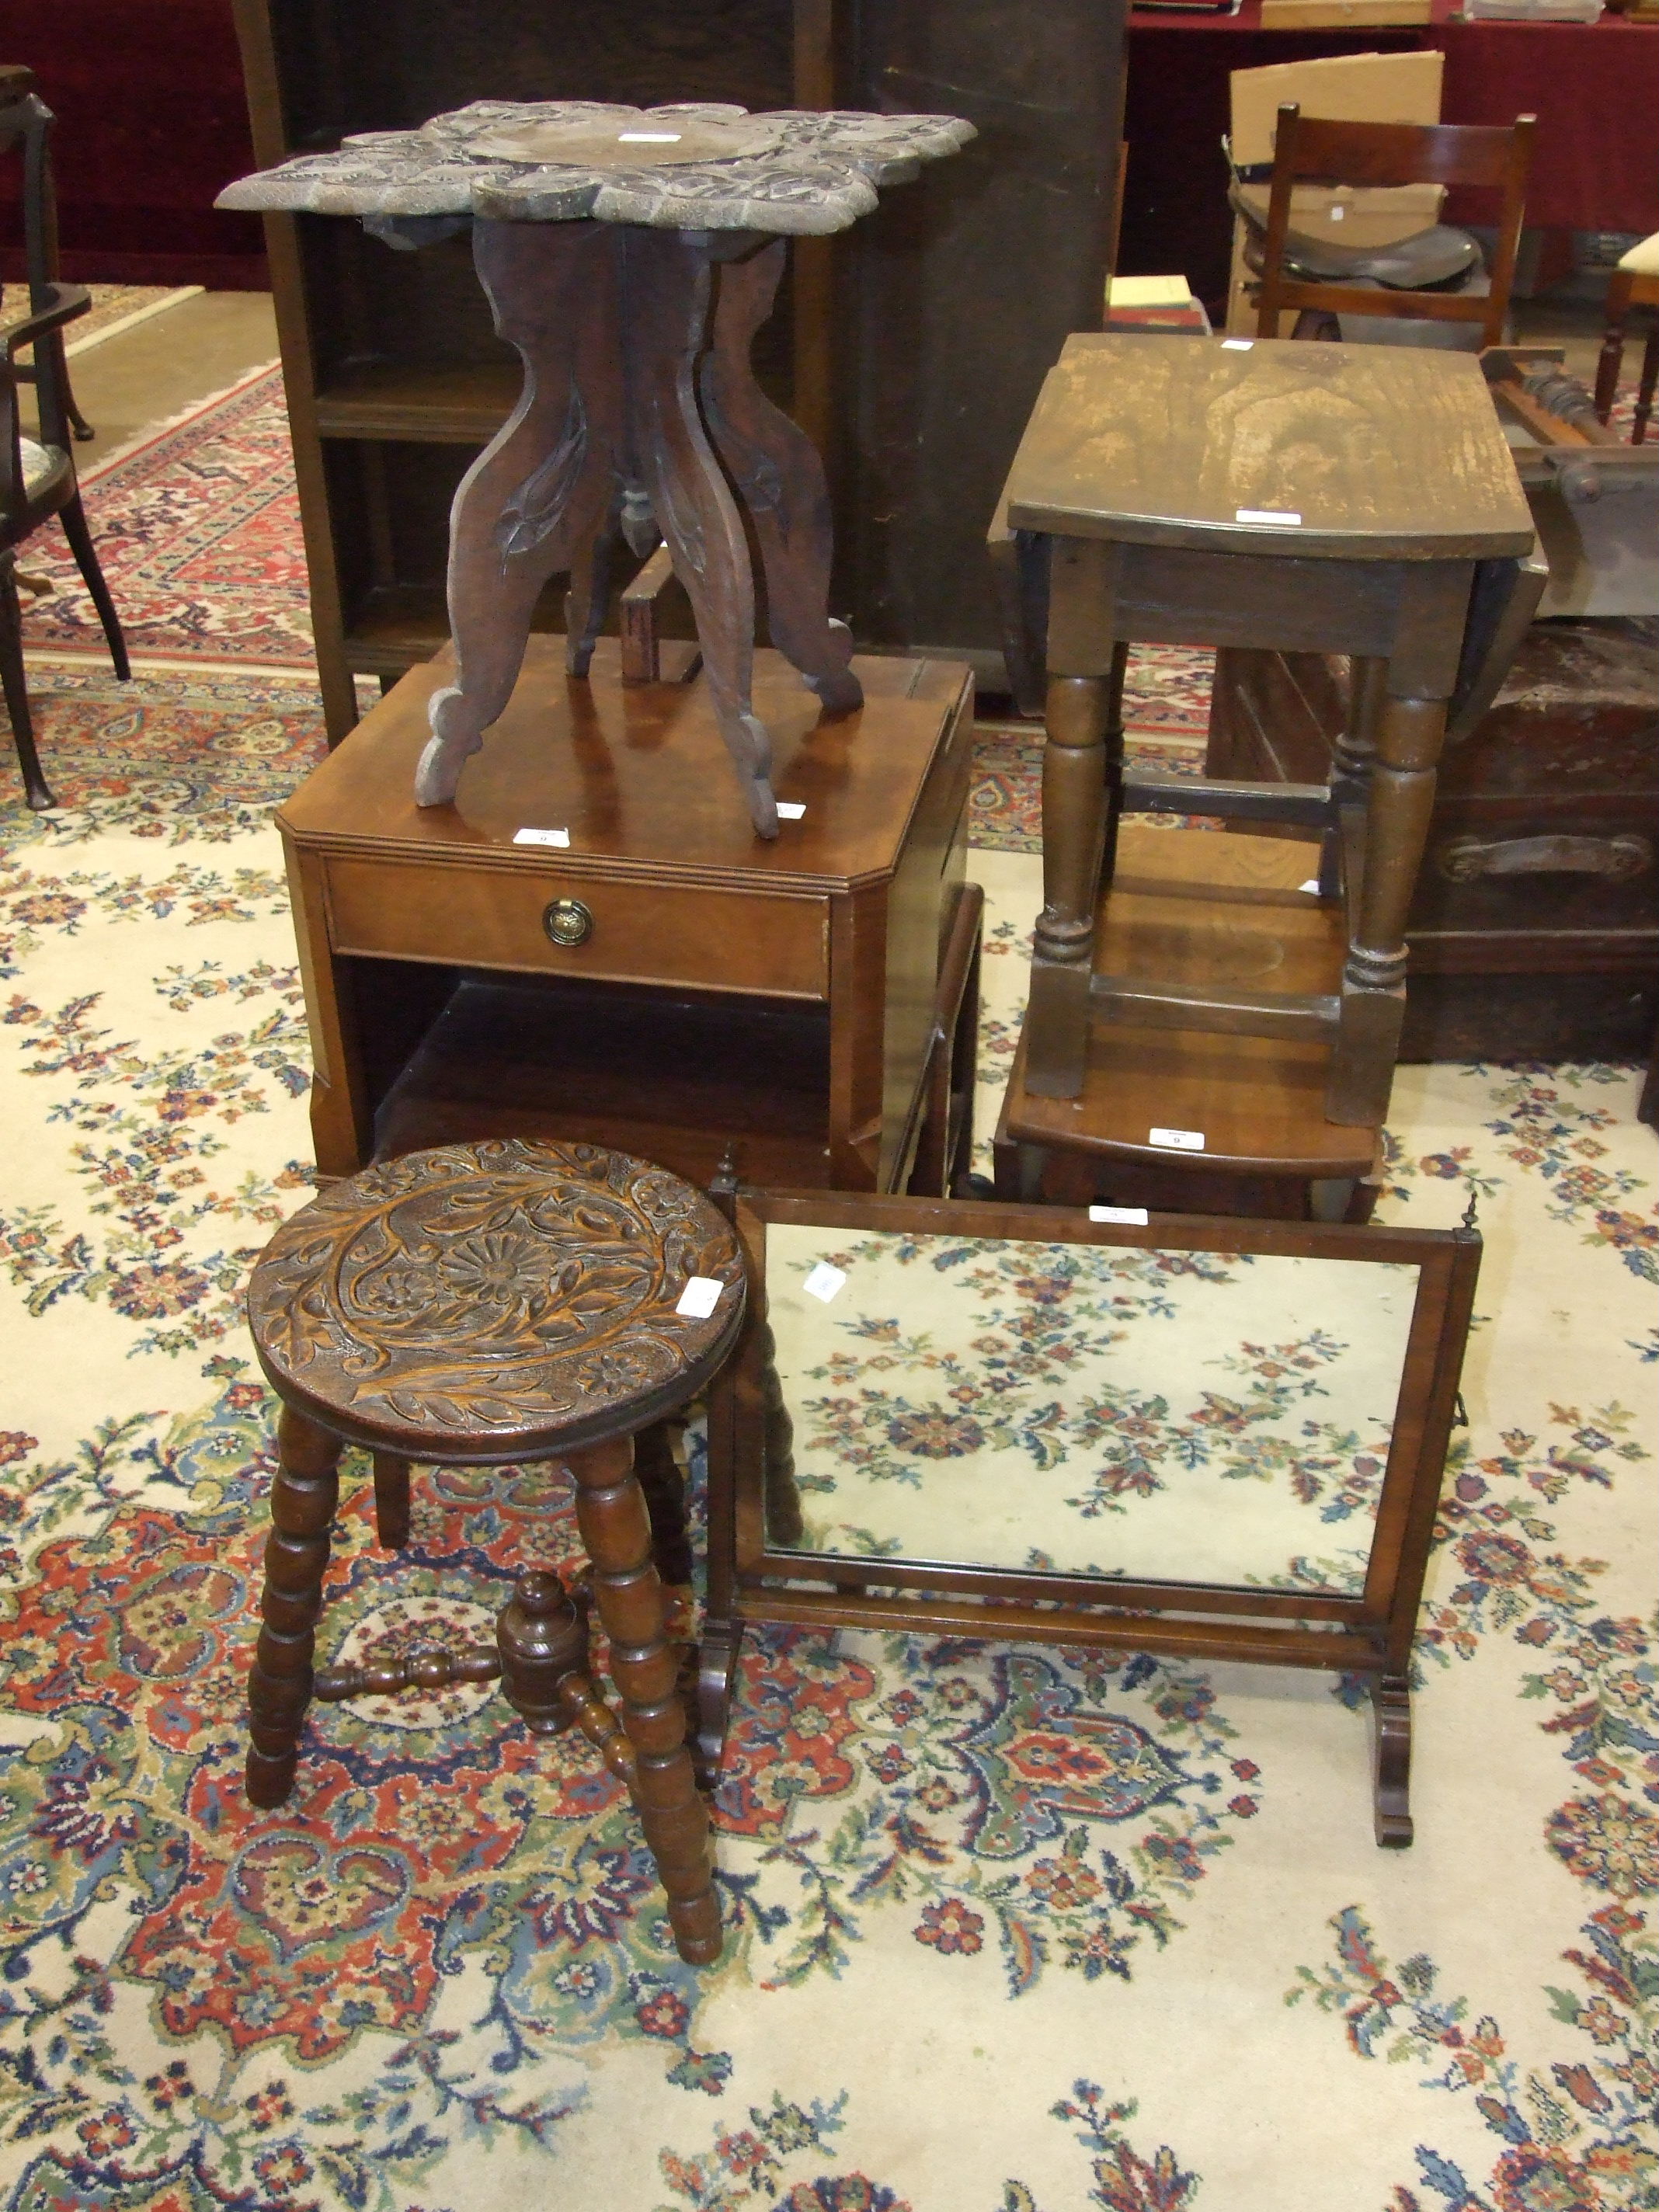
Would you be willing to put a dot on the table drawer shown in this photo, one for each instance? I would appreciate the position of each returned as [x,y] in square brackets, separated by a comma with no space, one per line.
[635,932]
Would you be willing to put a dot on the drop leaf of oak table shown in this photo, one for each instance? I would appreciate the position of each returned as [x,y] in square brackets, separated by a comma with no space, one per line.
[669,981]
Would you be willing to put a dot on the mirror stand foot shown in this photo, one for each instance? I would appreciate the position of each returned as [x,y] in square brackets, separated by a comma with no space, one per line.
[717,1671]
[1391,1702]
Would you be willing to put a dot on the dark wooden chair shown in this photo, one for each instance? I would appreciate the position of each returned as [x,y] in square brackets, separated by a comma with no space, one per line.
[1634,283]
[1308,150]
[1231,1007]
[481,1306]
[37,476]
[26,120]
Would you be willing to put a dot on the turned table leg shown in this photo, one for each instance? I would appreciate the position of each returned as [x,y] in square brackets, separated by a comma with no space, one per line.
[1400,801]
[777,468]
[303,1502]
[1082,796]
[616,1532]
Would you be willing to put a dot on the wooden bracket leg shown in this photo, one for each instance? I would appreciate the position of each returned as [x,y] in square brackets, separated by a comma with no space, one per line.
[776,467]
[718,1654]
[667,289]
[1391,1704]
[303,1501]
[616,1531]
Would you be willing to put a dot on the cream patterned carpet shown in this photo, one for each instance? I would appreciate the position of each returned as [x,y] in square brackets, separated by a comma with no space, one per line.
[1011,1931]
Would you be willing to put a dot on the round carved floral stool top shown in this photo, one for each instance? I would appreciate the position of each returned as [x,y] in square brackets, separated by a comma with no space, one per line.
[498,1301]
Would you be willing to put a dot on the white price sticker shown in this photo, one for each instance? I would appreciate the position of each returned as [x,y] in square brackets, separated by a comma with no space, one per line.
[540,836]
[1312,884]
[1280,518]
[1128,1217]
[791,810]
[1177,1140]
[1237,346]
[824,1282]
[700,1297]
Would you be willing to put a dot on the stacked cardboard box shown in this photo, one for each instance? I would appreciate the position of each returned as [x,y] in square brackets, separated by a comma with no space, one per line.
[1345,88]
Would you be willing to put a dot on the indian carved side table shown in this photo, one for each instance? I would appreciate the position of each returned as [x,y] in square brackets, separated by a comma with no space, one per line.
[630,256]
[483,1305]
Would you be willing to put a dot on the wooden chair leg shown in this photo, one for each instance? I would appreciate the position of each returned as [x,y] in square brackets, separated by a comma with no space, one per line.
[303,1501]
[1612,357]
[1645,389]
[15,685]
[616,1531]
[74,520]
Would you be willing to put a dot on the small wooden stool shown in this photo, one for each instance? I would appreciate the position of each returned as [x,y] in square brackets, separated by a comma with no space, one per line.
[475,1306]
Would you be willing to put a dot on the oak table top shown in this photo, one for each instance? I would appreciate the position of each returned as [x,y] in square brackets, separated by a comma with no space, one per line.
[1347,453]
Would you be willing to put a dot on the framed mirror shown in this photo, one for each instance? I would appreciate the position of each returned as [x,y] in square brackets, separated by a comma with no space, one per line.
[1222,1438]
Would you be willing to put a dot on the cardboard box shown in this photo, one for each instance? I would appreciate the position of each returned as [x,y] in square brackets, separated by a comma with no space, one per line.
[1345,88]
[1323,15]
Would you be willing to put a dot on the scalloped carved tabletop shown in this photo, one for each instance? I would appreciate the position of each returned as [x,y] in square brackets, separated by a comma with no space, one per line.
[630,255]
[688,166]
[505,1300]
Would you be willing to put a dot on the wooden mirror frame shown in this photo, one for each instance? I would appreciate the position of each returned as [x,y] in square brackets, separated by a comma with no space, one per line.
[1369,1635]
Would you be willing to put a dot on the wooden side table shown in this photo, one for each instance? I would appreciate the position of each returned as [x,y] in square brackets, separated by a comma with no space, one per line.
[641,972]
[1350,499]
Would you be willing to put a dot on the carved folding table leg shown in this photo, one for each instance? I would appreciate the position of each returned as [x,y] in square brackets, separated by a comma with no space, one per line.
[303,1501]
[666,299]
[616,1532]
[777,468]
[541,494]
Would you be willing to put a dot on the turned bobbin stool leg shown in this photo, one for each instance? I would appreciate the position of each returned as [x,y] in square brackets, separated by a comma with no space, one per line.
[616,1533]
[303,1502]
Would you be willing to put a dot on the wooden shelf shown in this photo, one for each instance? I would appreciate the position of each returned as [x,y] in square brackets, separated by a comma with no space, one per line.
[669,1077]
[417,403]
[402,626]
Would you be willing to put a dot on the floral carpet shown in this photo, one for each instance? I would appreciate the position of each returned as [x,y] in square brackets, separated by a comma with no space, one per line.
[1145,1954]
[1010,1929]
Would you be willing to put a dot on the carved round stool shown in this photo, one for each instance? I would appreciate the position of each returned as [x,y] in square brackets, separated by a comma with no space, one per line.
[474,1306]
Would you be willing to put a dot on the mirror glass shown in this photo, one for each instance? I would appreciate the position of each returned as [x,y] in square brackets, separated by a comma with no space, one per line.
[1174,1416]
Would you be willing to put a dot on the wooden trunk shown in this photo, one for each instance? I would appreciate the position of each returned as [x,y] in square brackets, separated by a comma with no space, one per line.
[1534,929]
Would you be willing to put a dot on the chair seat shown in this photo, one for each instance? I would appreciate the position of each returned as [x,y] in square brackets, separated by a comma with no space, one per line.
[492,1302]
[40,462]
[1196,906]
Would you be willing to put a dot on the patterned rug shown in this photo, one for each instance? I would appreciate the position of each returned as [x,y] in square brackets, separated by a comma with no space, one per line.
[1126,1913]
[197,531]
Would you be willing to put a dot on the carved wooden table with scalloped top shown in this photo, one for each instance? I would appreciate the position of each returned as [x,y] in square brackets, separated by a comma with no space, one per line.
[630,256]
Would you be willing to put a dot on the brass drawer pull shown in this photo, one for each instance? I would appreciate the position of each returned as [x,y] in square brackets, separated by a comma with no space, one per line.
[567,921]
[1462,858]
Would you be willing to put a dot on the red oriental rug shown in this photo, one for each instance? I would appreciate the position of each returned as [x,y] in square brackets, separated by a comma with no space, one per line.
[198,528]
